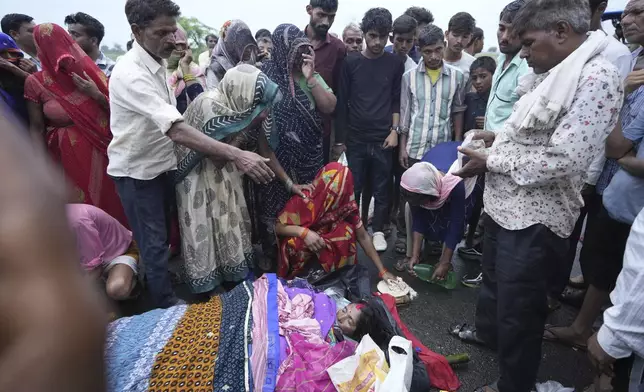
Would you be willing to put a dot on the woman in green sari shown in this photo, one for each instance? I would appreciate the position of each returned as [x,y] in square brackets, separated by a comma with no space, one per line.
[213,215]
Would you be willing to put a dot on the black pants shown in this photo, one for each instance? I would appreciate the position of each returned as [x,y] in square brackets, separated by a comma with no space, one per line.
[512,306]
[590,211]
[602,256]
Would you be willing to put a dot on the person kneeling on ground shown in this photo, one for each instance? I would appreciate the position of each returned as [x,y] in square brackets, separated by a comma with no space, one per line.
[438,205]
[106,249]
[324,226]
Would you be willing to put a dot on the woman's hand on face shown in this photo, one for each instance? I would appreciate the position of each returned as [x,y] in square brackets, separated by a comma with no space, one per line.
[86,85]
[314,242]
[308,66]
[186,59]
[299,190]
[440,273]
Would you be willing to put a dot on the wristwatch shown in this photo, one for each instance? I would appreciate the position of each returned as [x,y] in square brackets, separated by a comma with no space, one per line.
[397,129]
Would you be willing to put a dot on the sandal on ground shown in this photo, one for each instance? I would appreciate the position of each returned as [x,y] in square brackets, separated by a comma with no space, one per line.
[466,333]
[401,264]
[401,246]
[549,335]
[488,388]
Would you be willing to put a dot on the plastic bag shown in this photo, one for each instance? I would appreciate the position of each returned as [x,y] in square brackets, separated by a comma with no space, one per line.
[361,371]
[553,386]
[401,366]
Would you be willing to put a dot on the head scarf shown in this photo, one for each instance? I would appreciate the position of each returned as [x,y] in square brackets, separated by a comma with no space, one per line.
[235,40]
[297,122]
[241,96]
[56,48]
[7,44]
[175,77]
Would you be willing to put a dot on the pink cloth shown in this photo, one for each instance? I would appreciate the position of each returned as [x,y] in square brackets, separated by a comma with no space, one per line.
[423,178]
[260,333]
[309,362]
[295,317]
[99,237]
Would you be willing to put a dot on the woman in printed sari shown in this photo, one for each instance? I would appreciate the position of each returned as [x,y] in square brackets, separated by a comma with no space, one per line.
[236,45]
[213,216]
[324,226]
[184,76]
[69,108]
[296,120]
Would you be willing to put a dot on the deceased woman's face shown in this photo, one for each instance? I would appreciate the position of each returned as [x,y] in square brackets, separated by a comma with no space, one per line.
[348,318]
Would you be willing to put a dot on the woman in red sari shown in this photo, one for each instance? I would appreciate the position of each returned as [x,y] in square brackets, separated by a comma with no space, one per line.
[68,107]
[324,227]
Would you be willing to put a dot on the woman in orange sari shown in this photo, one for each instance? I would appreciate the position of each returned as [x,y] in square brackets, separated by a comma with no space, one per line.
[68,107]
[324,226]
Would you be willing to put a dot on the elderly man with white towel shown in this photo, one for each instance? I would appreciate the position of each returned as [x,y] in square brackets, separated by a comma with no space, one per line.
[535,169]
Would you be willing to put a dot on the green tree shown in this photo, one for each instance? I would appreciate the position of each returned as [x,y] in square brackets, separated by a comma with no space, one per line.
[196,32]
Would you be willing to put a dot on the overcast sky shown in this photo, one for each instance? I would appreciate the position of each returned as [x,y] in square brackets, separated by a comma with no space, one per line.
[260,14]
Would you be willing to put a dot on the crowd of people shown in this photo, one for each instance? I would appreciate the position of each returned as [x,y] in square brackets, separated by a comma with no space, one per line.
[282,141]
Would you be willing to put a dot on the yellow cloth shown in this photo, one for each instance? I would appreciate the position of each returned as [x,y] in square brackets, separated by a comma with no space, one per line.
[433,74]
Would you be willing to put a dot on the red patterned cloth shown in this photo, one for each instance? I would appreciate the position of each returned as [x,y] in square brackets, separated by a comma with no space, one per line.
[332,212]
[78,131]
[440,372]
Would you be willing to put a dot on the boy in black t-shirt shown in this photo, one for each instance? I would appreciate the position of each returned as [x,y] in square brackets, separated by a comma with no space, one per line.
[481,73]
[368,112]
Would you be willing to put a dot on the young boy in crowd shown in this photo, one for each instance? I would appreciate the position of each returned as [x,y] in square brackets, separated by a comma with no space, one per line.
[403,38]
[368,113]
[459,34]
[431,87]
[481,74]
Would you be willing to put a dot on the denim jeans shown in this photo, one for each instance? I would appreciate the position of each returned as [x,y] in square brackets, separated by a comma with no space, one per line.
[361,156]
[148,205]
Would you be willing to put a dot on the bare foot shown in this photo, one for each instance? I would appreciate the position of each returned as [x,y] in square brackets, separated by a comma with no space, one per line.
[566,336]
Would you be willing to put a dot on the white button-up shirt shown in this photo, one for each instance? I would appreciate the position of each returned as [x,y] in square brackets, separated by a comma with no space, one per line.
[143,109]
[623,331]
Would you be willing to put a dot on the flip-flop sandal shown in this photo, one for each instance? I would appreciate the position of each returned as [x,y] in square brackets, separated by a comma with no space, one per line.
[488,388]
[550,336]
[401,265]
[466,333]
[401,246]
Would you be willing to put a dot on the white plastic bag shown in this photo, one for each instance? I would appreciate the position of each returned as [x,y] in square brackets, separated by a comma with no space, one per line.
[366,367]
[401,367]
[553,386]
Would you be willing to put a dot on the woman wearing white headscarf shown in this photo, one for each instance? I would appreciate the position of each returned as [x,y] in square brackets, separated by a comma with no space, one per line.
[438,205]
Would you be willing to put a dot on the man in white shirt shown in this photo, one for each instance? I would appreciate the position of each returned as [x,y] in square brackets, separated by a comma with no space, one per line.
[535,167]
[204,57]
[622,335]
[459,35]
[146,124]
[20,27]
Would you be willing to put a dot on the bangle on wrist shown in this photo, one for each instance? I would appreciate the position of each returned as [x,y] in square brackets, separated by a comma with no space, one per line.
[382,273]
[304,233]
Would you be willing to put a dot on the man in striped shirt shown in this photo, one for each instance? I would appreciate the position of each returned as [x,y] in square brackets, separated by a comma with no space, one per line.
[431,102]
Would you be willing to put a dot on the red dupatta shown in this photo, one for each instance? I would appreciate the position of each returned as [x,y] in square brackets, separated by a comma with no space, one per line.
[60,57]
[332,212]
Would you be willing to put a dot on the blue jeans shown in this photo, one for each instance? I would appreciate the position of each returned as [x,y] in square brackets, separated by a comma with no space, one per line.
[148,206]
[361,156]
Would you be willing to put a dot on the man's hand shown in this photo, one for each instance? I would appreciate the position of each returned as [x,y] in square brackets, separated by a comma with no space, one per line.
[28,66]
[336,151]
[391,141]
[314,242]
[403,158]
[86,86]
[440,273]
[633,81]
[599,358]
[487,136]
[254,166]
[476,165]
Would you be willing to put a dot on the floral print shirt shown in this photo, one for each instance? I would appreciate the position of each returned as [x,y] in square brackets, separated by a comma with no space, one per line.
[536,176]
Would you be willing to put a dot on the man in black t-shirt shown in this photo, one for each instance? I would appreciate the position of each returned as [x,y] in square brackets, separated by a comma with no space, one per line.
[368,112]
